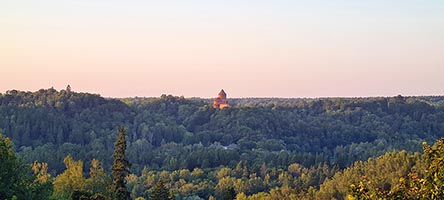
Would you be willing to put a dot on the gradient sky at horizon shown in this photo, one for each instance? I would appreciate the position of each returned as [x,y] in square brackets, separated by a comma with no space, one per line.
[280,48]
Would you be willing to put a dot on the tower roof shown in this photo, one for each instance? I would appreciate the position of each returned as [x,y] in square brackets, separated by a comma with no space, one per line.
[222,92]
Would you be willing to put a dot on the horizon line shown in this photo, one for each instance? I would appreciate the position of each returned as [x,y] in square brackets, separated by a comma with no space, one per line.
[238,97]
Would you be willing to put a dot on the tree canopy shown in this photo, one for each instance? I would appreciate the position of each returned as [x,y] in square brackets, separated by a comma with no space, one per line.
[262,148]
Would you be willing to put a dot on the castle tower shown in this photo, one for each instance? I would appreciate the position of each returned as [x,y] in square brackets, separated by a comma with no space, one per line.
[221,101]
[222,94]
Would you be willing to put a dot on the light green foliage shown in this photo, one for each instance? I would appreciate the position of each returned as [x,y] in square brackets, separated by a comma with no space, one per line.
[185,174]
[284,192]
[241,196]
[417,184]
[41,171]
[98,182]
[71,183]
[197,173]
[260,196]
[433,182]
[70,180]
[223,172]
[225,184]
[381,173]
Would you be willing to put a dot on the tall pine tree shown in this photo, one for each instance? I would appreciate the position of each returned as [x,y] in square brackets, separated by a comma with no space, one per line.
[120,167]
[160,192]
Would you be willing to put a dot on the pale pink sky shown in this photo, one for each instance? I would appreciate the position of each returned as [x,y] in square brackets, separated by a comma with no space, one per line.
[250,48]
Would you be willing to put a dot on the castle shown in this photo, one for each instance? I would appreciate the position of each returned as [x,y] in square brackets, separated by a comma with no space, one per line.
[221,102]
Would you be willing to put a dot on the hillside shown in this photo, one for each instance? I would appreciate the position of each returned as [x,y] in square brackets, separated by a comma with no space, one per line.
[304,141]
[174,132]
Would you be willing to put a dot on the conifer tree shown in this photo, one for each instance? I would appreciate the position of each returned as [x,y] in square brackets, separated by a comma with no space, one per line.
[120,167]
[160,192]
[229,194]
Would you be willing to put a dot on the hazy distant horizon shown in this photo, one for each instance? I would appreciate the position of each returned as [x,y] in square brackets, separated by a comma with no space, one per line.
[282,48]
[229,97]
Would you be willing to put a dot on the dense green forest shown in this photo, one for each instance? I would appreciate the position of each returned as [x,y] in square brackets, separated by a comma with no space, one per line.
[255,149]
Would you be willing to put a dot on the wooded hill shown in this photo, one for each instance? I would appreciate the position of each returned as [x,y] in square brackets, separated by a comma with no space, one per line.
[174,133]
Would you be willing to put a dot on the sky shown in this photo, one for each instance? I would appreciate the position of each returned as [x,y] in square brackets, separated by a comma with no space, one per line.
[260,48]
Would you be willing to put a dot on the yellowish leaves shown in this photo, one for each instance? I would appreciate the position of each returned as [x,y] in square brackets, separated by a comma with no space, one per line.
[41,170]
[71,179]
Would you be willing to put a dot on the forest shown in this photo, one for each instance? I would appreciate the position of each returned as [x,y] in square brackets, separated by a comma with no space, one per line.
[63,144]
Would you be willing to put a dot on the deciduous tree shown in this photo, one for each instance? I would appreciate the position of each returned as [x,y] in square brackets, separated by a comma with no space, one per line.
[70,180]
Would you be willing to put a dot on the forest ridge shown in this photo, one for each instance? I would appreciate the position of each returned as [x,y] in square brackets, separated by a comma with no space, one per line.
[273,146]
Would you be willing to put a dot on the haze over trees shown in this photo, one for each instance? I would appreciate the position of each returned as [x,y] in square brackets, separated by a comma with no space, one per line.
[254,149]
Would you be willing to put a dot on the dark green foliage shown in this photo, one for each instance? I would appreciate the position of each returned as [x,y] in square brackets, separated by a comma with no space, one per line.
[98,197]
[172,133]
[15,178]
[10,170]
[80,195]
[160,192]
[229,194]
[120,167]
[49,124]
